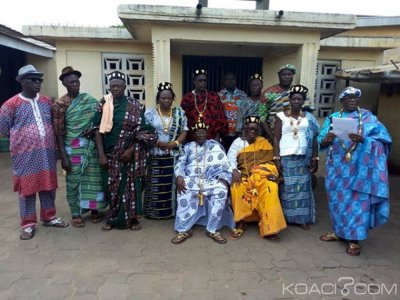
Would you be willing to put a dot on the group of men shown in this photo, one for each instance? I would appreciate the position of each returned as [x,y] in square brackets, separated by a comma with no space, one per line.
[228,152]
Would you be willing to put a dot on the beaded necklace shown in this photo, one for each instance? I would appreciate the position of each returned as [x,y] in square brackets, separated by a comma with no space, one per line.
[201,113]
[353,145]
[166,125]
[295,127]
[202,176]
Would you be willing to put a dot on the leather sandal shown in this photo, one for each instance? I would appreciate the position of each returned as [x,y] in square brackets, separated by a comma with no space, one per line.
[27,233]
[96,217]
[181,237]
[216,237]
[236,234]
[353,249]
[329,237]
[77,222]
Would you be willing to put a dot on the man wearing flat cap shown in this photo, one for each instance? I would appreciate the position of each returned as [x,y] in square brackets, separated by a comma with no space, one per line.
[276,98]
[26,120]
[72,114]
[201,104]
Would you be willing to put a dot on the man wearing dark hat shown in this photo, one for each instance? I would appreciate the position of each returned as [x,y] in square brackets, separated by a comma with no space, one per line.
[276,98]
[26,120]
[254,190]
[121,139]
[201,104]
[203,175]
[72,114]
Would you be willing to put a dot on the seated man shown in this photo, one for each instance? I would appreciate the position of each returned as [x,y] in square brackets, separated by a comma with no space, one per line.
[203,175]
[254,183]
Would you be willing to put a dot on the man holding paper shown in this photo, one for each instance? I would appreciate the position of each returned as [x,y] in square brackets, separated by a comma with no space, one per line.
[356,178]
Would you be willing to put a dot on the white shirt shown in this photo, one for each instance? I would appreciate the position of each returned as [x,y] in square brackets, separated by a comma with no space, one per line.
[237,145]
[289,145]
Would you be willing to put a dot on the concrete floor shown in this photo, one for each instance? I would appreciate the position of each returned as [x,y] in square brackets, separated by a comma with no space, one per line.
[87,263]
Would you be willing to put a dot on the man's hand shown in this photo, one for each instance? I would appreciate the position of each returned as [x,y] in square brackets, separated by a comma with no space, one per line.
[66,165]
[356,138]
[180,185]
[103,161]
[236,177]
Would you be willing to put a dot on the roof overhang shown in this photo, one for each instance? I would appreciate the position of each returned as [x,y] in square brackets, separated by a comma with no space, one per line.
[137,18]
[27,45]
[377,74]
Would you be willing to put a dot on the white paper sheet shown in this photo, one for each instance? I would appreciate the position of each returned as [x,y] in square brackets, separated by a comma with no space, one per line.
[341,127]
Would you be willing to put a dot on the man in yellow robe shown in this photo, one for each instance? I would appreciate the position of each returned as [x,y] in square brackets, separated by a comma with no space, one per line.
[254,188]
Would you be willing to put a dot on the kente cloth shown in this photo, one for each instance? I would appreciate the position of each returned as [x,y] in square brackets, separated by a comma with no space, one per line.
[256,197]
[159,193]
[203,174]
[28,125]
[274,99]
[358,190]
[160,188]
[84,188]
[213,115]
[295,191]
[231,103]
[121,179]
[27,208]
[247,107]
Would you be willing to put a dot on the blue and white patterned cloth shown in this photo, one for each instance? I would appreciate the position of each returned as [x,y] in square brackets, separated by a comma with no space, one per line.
[215,213]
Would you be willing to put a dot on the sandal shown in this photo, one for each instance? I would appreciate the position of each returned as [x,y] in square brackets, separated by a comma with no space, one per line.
[135,227]
[107,227]
[272,237]
[353,249]
[181,237]
[27,233]
[305,227]
[236,234]
[96,217]
[57,222]
[216,237]
[77,222]
[329,237]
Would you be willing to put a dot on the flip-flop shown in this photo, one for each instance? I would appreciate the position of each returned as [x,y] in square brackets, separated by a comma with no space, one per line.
[353,249]
[77,222]
[57,222]
[181,237]
[27,233]
[216,237]
[97,218]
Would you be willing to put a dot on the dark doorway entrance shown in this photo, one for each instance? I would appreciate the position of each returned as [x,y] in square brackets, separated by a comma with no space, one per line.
[10,61]
[216,67]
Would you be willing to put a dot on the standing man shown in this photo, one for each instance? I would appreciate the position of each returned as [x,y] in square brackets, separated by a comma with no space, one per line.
[26,120]
[203,175]
[231,97]
[276,99]
[249,106]
[72,114]
[201,104]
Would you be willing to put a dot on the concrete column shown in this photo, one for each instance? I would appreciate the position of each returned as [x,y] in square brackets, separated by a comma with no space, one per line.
[307,66]
[161,60]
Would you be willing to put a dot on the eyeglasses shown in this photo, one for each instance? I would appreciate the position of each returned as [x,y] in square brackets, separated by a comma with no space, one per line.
[34,79]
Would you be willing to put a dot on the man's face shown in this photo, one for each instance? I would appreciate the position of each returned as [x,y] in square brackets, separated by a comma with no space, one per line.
[200,136]
[117,88]
[31,84]
[230,82]
[200,82]
[255,87]
[350,103]
[252,131]
[286,77]
[72,84]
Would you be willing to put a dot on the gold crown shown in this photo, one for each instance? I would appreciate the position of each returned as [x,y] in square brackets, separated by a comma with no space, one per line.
[200,124]
[252,119]
[164,86]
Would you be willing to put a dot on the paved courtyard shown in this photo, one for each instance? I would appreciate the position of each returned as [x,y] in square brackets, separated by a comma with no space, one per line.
[87,263]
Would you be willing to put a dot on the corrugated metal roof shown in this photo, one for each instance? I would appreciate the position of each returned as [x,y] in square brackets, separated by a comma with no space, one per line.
[389,73]
[10,32]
